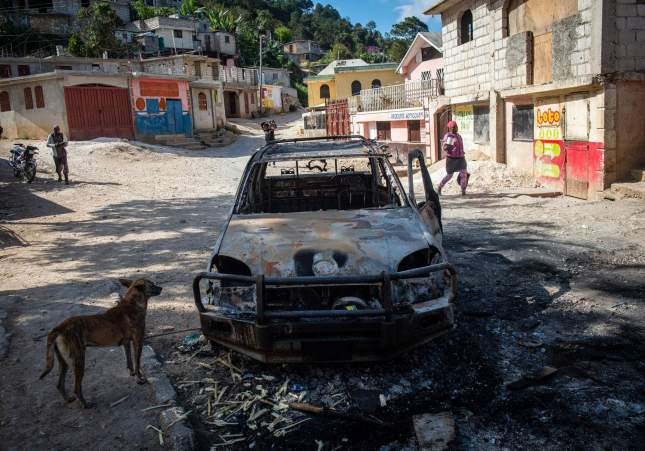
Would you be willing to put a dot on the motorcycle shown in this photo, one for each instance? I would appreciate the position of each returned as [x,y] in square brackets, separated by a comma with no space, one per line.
[23,161]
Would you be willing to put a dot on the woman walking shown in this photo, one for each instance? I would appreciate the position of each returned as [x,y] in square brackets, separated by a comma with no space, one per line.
[453,149]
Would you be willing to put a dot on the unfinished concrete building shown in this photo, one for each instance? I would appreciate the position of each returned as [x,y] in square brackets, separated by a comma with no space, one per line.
[556,89]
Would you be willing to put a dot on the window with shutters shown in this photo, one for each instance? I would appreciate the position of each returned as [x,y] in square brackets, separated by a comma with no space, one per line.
[522,122]
[383,131]
[40,98]
[29,100]
[414,131]
[5,104]
[203,103]
[177,33]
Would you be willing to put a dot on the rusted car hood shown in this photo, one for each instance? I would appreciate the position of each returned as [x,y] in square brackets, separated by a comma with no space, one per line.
[371,241]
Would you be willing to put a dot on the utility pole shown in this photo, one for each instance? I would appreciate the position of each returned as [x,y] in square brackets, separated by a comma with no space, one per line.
[260,74]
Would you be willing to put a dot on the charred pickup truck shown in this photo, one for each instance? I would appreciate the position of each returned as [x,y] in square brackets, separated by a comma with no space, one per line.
[325,258]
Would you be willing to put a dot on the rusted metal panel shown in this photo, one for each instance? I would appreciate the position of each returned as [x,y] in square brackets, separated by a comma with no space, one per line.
[337,112]
[94,111]
[542,59]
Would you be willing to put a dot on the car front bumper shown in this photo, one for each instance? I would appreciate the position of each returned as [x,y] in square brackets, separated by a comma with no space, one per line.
[329,335]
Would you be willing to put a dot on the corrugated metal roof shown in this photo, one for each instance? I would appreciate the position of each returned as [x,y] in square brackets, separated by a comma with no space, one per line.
[330,69]
[434,37]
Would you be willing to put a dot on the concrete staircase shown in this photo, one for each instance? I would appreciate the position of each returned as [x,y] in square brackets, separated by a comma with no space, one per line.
[635,189]
[180,141]
[215,138]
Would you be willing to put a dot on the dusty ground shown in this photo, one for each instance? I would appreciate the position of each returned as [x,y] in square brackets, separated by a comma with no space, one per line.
[564,275]
[129,212]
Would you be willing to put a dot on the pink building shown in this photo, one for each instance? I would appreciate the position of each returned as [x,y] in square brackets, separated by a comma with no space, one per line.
[405,116]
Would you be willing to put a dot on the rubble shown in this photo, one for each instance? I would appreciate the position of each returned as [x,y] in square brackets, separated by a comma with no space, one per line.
[434,431]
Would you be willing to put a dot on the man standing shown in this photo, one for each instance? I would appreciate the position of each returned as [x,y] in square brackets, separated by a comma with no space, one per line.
[453,149]
[57,142]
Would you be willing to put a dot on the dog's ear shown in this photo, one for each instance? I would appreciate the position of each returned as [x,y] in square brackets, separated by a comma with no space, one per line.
[125,282]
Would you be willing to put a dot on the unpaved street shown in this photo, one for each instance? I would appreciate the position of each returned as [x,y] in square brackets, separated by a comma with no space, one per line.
[545,281]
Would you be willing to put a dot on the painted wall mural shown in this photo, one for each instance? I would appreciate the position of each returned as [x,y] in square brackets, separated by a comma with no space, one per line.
[161,107]
[548,144]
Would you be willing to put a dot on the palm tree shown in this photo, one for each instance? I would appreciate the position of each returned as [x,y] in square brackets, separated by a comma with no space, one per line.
[222,19]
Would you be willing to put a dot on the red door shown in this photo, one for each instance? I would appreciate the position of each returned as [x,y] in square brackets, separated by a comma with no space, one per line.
[94,111]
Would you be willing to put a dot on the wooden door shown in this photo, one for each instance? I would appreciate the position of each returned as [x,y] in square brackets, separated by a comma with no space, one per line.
[577,146]
[542,59]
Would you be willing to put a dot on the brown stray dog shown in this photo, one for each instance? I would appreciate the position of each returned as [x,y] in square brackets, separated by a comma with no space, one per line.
[118,326]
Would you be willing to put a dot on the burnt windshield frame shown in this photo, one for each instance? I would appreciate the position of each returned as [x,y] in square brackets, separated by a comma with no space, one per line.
[257,170]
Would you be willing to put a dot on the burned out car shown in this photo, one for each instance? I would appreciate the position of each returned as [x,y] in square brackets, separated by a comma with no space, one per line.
[325,258]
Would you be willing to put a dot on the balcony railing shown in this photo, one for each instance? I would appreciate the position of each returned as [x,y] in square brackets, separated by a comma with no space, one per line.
[408,95]
[238,75]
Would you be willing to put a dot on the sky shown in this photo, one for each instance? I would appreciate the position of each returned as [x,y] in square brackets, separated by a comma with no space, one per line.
[384,12]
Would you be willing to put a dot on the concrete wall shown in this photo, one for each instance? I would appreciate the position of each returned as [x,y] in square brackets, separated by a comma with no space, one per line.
[416,69]
[313,91]
[494,60]
[218,40]
[630,136]
[170,42]
[36,123]
[624,44]
[344,80]
[213,116]
[519,154]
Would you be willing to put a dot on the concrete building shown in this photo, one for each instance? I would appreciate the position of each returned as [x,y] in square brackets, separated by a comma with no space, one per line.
[555,89]
[302,52]
[89,98]
[346,78]
[180,35]
[405,115]
[58,17]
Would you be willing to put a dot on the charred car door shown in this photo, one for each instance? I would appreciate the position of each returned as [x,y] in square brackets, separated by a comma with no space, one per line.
[427,203]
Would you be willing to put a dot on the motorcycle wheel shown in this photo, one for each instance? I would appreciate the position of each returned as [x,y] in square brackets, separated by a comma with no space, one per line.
[30,173]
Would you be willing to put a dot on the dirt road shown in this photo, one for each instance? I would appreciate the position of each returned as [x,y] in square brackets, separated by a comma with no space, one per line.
[562,275]
[129,212]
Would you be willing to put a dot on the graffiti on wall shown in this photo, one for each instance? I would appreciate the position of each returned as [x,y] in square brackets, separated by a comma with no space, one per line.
[548,145]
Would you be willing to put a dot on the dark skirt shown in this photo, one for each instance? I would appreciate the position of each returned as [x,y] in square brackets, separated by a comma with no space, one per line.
[455,164]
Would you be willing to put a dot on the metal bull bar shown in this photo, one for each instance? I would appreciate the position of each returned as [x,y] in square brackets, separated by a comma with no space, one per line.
[384,278]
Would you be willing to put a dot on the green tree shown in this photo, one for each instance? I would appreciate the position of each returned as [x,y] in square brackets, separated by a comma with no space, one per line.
[283,34]
[408,28]
[337,52]
[97,34]
[396,49]
[75,45]
[189,8]
[144,11]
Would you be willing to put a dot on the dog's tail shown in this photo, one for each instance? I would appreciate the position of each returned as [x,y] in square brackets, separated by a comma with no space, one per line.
[51,343]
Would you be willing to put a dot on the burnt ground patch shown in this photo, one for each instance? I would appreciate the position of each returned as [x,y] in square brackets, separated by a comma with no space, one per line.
[577,304]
